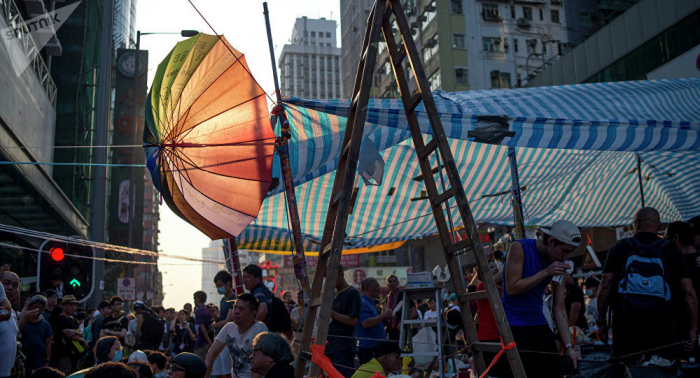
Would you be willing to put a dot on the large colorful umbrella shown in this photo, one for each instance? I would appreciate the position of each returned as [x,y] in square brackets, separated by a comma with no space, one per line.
[208,139]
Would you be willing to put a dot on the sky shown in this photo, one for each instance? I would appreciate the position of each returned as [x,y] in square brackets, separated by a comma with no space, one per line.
[243,24]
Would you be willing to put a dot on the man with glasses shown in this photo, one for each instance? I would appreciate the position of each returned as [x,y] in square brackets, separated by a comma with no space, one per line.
[530,266]
[187,365]
[271,356]
[643,276]
[238,337]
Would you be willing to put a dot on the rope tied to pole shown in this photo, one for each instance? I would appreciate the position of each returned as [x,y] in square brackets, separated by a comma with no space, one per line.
[504,348]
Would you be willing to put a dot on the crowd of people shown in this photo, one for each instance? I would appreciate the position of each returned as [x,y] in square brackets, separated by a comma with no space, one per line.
[648,282]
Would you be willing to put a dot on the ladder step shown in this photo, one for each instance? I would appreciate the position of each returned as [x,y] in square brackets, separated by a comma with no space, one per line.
[487,347]
[316,302]
[414,101]
[327,248]
[428,149]
[462,244]
[419,321]
[336,198]
[344,153]
[466,297]
[421,354]
[401,54]
[442,197]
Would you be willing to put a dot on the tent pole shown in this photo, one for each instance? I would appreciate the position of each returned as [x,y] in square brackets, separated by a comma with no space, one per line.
[233,264]
[283,149]
[518,217]
[639,177]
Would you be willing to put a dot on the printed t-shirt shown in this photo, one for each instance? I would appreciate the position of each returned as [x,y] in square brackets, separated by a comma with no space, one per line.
[240,346]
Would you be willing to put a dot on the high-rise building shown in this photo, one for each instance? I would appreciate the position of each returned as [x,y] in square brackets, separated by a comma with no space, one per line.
[353,21]
[310,66]
[507,41]
[654,39]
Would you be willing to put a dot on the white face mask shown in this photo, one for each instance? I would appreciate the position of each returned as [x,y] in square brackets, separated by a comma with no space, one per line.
[589,292]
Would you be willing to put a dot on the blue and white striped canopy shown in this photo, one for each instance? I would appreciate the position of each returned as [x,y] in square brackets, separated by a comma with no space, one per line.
[576,148]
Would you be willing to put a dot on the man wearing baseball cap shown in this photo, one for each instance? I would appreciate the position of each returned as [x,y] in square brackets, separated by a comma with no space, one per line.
[530,266]
[187,365]
[387,359]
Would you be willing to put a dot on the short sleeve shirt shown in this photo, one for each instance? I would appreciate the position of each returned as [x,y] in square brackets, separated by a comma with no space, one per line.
[116,324]
[225,306]
[367,336]
[240,346]
[263,295]
[347,302]
[34,337]
[202,317]
[61,323]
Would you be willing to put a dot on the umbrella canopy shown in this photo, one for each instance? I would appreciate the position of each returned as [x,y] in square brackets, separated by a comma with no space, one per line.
[576,146]
[208,139]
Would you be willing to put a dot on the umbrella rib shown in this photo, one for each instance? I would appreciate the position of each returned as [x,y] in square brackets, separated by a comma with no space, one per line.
[194,166]
[213,200]
[213,116]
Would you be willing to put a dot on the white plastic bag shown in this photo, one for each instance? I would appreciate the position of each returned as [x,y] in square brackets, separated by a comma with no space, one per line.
[424,342]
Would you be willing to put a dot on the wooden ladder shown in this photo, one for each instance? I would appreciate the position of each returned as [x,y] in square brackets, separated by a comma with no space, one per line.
[337,216]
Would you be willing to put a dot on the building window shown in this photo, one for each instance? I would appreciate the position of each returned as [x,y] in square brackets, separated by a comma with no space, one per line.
[429,16]
[555,16]
[328,44]
[544,46]
[328,34]
[489,12]
[531,45]
[527,13]
[492,44]
[313,34]
[515,45]
[458,41]
[500,79]
[147,217]
[435,81]
[586,20]
[541,14]
[456,7]
[512,11]
[461,76]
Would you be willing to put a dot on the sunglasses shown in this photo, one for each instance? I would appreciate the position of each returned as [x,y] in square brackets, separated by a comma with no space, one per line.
[175,369]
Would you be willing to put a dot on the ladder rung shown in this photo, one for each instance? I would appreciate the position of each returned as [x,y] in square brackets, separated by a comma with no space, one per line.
[419,321]
[462,244]
[345,151]
[442,197]
[401,54]
[466,297]
[316,302]
[336,199]
[414,101]
[428,149]
[327,248]
[355,100]
[420,354]
[487,347]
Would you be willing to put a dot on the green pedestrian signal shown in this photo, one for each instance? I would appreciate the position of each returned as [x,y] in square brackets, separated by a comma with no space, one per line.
[74,282]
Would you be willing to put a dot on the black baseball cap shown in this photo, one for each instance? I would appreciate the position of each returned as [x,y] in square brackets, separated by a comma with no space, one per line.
[386,347]
[192,363]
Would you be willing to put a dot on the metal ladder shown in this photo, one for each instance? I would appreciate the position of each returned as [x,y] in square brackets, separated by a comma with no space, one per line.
[337,215]
[440,323]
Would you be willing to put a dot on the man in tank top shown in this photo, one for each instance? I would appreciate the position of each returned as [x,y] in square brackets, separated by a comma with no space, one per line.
[530,266]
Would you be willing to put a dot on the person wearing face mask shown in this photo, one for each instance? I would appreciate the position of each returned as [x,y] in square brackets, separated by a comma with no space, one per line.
[591,285]
[224,286]
[107,349]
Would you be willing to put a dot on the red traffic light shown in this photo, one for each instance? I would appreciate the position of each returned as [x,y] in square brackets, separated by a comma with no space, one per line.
[56,253]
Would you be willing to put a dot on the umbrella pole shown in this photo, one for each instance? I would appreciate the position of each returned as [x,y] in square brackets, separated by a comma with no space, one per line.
[516,199]
[233,264]
[283,149]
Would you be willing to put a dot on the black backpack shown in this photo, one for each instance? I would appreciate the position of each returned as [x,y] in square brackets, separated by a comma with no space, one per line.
[152,329]
[644,281]
[280,320]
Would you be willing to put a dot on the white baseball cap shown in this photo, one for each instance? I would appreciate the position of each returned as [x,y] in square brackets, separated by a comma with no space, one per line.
[565,232]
